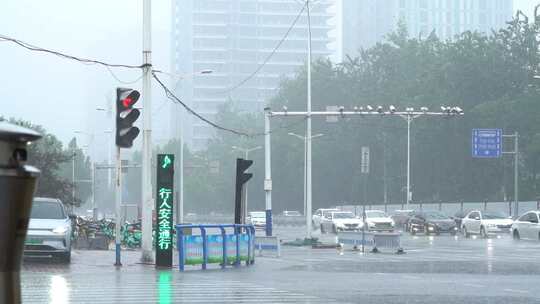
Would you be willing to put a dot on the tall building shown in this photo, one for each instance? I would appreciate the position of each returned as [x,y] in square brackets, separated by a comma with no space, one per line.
[232,39]
[366,22]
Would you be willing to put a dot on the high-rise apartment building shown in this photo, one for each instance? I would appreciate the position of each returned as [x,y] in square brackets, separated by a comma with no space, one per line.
[366,22]
[232,39]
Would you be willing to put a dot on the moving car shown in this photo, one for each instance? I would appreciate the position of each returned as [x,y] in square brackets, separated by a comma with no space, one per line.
[257,218]
[340,221]
[291,213]
[527,226]
[49,230]
[377,220]
[485,223]
[401,217]
[319,215]
[431,222]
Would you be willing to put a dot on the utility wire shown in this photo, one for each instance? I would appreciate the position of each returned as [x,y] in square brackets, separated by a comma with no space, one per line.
[267,59]
[175,99]
[34,48]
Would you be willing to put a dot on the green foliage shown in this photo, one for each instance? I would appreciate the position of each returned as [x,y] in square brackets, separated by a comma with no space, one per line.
[55,163]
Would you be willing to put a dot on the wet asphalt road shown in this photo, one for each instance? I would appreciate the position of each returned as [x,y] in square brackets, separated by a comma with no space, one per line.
[435,269]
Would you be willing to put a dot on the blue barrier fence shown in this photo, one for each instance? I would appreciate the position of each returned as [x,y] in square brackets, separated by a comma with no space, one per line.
[224,248]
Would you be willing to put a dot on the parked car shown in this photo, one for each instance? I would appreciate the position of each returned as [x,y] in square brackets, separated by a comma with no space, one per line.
[377,220]
[485,223]
[319,215]
[257,218]
[527,226]
[49,230]
[401,217]
[430,222]
[340,221]
[291,213]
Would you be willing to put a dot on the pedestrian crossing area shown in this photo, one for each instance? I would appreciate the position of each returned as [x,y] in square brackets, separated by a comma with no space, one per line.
[167,288]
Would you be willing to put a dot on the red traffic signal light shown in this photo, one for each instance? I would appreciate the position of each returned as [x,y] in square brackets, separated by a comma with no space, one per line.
[126,116]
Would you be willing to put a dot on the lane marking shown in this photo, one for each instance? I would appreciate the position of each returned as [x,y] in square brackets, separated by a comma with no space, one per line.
[516,290]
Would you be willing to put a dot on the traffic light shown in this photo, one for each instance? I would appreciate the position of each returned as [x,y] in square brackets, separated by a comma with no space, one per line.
[126,116]
[241,178]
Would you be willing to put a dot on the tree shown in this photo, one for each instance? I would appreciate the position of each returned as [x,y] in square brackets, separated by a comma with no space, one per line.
[490,76]
[48,155]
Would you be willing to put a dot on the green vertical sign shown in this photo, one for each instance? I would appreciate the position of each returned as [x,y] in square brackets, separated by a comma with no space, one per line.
[164,210]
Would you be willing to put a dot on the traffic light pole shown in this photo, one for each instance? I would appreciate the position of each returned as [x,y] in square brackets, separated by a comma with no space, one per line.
[147,201]
[118,202]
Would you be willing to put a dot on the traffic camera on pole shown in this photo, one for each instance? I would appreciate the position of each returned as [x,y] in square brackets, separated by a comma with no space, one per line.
[126,116]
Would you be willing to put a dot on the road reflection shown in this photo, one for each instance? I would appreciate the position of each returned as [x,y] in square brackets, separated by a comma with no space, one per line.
[164,287]
[59,290]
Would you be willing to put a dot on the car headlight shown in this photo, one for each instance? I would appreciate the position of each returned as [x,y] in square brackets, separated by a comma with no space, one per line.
[431,228]
[60,230]
[371,224]
[491,225]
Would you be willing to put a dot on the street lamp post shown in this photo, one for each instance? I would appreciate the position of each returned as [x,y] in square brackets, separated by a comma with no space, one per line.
[246,156]
[409,118]
[306,207]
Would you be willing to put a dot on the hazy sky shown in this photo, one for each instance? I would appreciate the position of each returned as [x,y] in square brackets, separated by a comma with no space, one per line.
[62,95]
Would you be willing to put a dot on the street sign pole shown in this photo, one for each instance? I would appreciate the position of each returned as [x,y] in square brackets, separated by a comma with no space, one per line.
[516,172]
[487,143]
[164,209]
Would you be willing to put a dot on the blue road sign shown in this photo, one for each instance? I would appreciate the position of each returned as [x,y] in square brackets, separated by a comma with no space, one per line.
[486,143]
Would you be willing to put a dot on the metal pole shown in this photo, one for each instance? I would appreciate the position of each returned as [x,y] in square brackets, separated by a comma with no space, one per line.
[267,172]
[118,202]
[385,187]
[305,175]
[73,178]
[109,159]
[364,213]
[516,175]
[409,119]
[246,192]
[308,129]
[147,255]
[180,211]
[94,213]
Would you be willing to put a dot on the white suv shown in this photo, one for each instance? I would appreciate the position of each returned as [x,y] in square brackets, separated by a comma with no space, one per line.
[49,230]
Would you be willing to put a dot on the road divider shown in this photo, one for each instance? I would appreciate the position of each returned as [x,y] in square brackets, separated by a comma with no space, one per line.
[269,244]
[371,240]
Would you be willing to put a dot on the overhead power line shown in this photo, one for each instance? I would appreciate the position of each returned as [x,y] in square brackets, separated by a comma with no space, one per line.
[175,99]
[34,48]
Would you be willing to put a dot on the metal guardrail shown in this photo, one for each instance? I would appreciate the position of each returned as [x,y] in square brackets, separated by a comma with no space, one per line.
[207,248]
[375,240]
